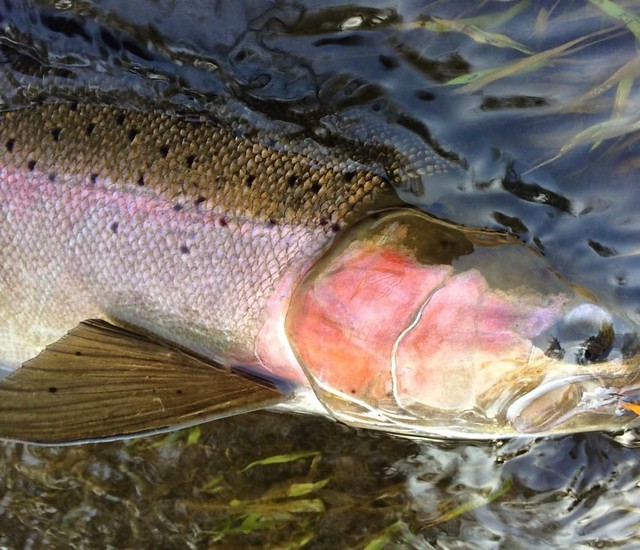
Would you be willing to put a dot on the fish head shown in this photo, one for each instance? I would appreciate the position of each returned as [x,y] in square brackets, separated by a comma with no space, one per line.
[416,326]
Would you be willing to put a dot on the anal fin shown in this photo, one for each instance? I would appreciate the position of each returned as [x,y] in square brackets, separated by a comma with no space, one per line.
[102,382]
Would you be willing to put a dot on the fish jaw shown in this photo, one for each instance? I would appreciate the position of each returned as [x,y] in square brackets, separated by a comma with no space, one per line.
[394,343]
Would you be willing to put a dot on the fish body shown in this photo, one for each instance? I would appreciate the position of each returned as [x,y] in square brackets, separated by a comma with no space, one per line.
[182,250]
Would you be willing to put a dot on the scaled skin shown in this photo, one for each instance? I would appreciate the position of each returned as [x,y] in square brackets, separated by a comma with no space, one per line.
[183,229]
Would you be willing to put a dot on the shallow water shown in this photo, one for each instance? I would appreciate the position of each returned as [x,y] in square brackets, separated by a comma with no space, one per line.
[385,65]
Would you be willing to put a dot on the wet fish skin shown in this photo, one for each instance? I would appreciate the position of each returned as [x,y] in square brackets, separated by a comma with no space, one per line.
[184,229]
[199,233]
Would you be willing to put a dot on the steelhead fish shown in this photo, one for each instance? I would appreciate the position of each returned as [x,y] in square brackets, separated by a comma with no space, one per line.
[158,271]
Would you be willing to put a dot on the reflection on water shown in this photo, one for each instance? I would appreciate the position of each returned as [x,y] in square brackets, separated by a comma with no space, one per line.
[534,107]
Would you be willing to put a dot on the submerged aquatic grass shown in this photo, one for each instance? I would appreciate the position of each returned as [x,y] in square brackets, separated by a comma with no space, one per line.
[478,80]
[473,31]
[473,504]
[209,486]
[614,10]
[282,459]
[565,57]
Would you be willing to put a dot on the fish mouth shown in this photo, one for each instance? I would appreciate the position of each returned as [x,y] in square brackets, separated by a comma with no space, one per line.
[594,383]
[577,403]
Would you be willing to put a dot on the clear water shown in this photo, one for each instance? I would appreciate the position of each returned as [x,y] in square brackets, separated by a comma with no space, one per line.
[302,64]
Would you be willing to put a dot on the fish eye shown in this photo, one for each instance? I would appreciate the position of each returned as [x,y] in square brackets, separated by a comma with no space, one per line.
[588,331]
[596,348]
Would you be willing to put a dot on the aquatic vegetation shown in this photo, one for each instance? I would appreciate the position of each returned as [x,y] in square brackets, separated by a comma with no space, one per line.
[205,480]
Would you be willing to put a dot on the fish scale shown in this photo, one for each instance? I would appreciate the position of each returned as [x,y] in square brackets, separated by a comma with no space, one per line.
[182,228]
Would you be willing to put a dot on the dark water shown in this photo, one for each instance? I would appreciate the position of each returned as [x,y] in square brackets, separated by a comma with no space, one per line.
[307,66]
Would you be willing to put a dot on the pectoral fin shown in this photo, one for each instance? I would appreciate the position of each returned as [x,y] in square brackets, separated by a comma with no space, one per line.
[102,382]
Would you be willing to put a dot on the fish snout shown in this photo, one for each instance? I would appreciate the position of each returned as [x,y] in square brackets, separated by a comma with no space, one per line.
[594,382]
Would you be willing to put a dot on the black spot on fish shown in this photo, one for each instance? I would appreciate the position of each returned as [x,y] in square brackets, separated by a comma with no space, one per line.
[73,106]
[177,207]
[249,180]
[315,188]
[190,160]
[184,249]
[31,165]
[52,177]
[323,221]
[335,227]
[55,134]
[222,221]
[90,128]
[292,180]
[9,145]
[120,119]
[132,134]
[114,227]
[53,389]
[164,150]
[179,392]
[94,177]
[141,180]
[349,176]
[78,353]
[199,200]
[271,222]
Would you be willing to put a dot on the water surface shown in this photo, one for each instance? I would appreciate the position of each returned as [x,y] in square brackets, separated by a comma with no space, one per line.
[545,147]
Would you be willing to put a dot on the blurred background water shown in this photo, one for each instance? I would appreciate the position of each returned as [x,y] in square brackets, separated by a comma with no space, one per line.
[536,106]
